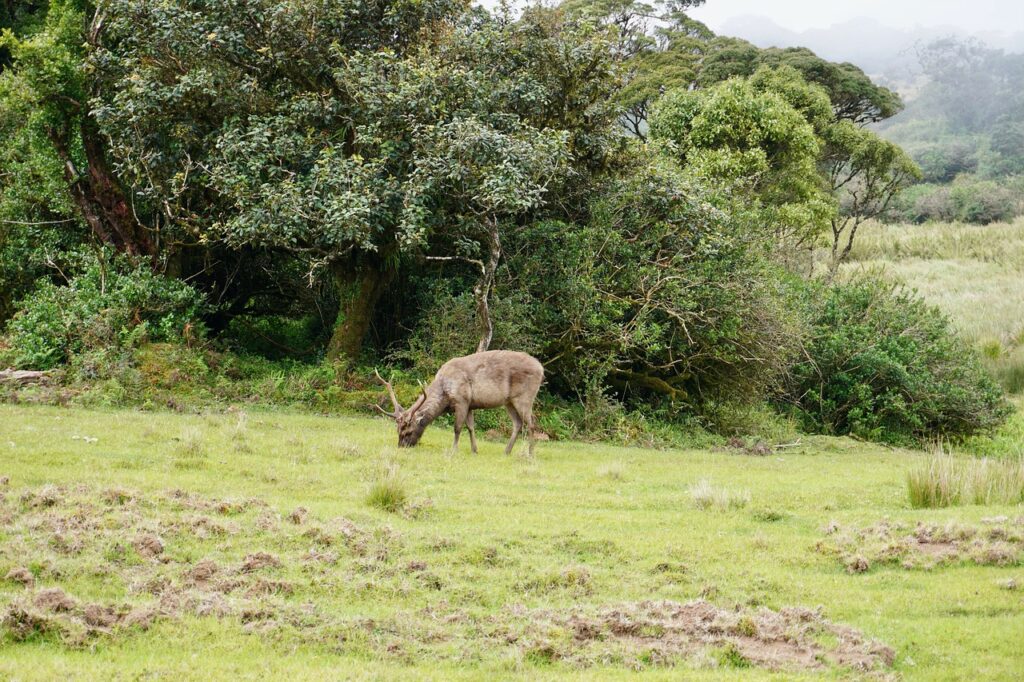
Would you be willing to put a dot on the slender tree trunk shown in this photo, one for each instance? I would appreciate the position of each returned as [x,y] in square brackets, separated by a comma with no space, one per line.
[482,290]
[359,288]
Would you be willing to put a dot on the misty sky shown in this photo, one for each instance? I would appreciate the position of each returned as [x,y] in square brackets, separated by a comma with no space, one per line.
[798,15]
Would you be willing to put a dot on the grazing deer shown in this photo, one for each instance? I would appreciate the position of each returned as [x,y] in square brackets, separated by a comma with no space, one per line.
[473,382]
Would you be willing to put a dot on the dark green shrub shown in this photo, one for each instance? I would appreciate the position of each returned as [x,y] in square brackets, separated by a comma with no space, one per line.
[659,298]
[883,365]
[108,306]
[943,161]
[968,200]
[983,202]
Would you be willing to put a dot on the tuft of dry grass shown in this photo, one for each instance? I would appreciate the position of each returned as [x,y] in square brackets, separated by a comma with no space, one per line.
[614,470]
[705,496]
[946,481]
[387,490]
[190,452]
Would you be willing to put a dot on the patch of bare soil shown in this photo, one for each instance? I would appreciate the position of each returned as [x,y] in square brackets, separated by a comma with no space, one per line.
[52,611]
[47,496]
[757,448]
[148,545]
[999,543]
[202,572]
[54,599]
[74,529]
[227,507]
[666,631]
[254,562]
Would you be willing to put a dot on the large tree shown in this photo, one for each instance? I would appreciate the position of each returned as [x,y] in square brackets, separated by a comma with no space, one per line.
[660,44]
[356,135]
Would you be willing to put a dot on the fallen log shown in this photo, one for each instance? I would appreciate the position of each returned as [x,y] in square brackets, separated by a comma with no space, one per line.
[23,376]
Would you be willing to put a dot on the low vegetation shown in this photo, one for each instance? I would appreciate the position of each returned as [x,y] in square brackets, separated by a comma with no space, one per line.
[387,489]
[706,496]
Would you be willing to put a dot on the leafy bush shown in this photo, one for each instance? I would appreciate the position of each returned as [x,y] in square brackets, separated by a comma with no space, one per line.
[983,202]
[942,162]
[883,365]
[105,308]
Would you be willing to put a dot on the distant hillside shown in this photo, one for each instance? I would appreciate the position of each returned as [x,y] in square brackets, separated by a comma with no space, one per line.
[886,52]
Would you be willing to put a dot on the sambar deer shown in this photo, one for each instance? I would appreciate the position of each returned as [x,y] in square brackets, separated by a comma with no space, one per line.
[479,381]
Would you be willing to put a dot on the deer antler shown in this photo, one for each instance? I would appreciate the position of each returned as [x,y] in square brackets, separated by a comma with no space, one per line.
[391,392]
[383,411]
[419,401]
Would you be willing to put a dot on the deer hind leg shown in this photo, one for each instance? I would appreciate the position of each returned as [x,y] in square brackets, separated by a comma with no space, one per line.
[517,426]
[460,419]
[525,409]
[472,431]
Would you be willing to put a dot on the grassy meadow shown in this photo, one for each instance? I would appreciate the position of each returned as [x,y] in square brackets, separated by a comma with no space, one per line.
[246,545]
[974,273]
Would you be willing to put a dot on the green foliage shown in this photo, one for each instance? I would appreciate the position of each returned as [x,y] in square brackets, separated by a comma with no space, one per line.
[658,294]
[968,116]
[883,365]
[659,44]
[106,308]
[37,218]
[320,135]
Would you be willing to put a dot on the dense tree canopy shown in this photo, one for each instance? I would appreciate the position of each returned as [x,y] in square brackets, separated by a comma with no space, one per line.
[606,184]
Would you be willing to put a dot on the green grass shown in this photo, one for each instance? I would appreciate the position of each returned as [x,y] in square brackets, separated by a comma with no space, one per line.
[479,586]
[973,273]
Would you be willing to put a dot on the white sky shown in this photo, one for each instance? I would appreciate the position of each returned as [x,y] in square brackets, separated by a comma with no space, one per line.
[970,15]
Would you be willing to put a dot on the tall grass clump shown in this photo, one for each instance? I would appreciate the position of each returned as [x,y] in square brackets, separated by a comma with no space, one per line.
[1007,366]
[705,496]
[387,490]
[946,481]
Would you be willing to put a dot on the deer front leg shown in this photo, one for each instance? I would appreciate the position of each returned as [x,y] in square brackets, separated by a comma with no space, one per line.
[461,412]
[472,431]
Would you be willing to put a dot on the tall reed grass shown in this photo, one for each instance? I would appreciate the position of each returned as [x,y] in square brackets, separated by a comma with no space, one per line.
[948,481]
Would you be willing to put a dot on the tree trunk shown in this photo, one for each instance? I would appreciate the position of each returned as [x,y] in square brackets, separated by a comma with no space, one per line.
[107,193]
[359,288]
[98,195]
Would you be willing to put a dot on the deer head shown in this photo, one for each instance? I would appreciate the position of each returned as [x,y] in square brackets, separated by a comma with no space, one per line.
[410,427]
